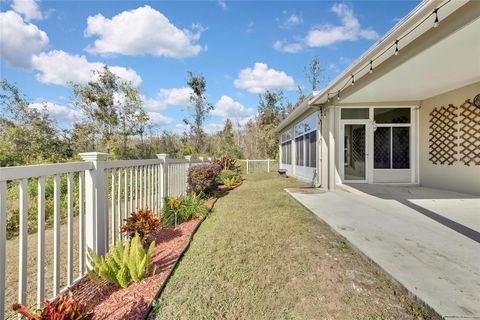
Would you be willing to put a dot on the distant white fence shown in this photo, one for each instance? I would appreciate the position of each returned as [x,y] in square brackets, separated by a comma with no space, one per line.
[107,191]
[251,166]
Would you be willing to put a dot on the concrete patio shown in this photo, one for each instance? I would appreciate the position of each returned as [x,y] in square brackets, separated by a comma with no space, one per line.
[426,239]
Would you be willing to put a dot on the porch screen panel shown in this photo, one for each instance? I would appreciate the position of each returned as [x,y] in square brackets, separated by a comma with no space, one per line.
[313,149]
[299,150]
[400,148]
[382,148]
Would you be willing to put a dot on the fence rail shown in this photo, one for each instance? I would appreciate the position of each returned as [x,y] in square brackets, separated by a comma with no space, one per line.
[91,198]
[251,166]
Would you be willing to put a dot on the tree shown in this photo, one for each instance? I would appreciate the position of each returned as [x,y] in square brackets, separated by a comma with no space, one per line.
[313,72]
[271,108]
[27,134]
[202,107]
[113,108]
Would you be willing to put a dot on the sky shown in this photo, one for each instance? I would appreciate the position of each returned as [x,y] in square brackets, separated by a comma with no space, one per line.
[242,48]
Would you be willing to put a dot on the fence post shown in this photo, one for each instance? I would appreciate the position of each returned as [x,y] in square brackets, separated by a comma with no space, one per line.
[189,164]
[163,178]
[3,243]
[96,215]
[268,165]
[247,166]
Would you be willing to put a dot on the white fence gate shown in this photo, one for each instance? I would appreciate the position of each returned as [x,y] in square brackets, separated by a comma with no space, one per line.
[102,193]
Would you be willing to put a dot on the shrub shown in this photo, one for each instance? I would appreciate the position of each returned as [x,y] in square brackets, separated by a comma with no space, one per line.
[180,209]
[227,163]
[227,174]
[203,178]
[230,182]
[123,263]
[63,308]
[142,222]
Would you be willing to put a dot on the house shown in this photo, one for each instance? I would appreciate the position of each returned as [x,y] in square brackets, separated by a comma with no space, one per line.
[406,112]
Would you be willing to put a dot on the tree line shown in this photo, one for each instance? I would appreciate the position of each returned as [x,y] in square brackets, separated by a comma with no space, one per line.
[114,120]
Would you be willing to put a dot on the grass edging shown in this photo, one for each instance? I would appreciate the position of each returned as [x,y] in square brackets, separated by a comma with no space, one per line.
[421,303]
[172,270]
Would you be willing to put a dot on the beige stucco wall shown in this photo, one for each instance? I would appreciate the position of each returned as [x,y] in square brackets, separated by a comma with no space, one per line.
[457,177]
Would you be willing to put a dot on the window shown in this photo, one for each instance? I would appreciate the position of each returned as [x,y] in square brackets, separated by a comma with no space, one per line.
[355,113]
[392,115]
[392,148]
[299,150]
[287,152]
[313,149]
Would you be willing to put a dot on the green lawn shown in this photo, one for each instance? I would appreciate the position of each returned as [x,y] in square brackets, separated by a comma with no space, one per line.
[261,255]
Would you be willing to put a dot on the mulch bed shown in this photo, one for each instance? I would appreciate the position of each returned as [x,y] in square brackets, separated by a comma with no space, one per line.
[223,188]
[110,302]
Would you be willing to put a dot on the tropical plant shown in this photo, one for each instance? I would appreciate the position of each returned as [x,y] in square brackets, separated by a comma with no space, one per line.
[227,163]
[230,182]
[180,209]
[125,262]
[227,174]
[63,308]
[142,222]
[202,179]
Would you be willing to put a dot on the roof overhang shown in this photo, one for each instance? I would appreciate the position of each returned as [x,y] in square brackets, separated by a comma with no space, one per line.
[431,60]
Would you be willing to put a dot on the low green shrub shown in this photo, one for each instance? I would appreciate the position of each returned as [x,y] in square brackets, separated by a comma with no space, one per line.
[227,174]
[202,179]
[184,208]
[126,261]
[230,182]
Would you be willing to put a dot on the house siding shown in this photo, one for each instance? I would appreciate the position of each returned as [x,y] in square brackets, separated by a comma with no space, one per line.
[457,177]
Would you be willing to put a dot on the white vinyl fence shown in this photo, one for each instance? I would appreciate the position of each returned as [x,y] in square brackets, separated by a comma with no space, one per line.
[251,166]
[101,193]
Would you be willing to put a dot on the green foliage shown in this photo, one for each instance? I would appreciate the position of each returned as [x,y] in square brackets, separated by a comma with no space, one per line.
[198,84]
[230,182]
[123,263]
[114,112]
[203,178]
[28,134]
[227,163]
[142,222]
[63,308]
[184,208]
[229,178]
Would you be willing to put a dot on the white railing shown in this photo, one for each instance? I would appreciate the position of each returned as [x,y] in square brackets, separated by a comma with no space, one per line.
[97,195]
[251,166]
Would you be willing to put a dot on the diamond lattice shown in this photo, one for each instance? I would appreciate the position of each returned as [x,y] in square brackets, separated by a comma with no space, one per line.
[469,134]
[443,135]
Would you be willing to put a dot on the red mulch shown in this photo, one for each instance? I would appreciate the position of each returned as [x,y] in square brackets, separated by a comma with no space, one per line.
[111,302]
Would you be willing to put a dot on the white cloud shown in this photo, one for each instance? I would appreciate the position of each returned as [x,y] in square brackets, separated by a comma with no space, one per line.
[288,47]
[59,67]
[141,31]
[291,20]
[29,9]
[213,127]
[260,78]
[249,27]
[19,40]
[327,34]
[62,114]
[158,119]
[226,107]
[349,30]
[222,4]
[175,96]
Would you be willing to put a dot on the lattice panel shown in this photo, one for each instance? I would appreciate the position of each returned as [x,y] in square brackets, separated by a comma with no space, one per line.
[443,135]
[469,134]
[358,145]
